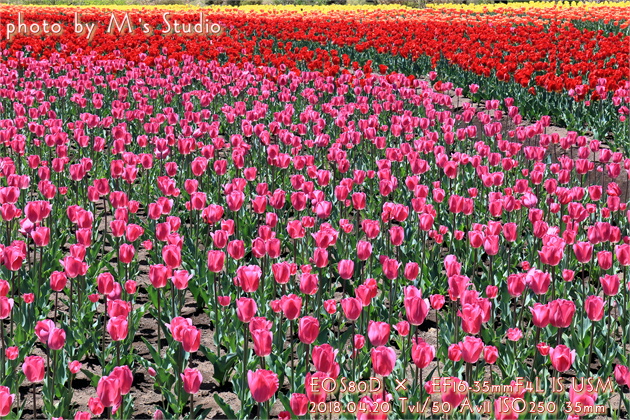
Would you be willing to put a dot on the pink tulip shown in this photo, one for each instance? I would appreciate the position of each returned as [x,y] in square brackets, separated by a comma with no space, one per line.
[383,360]
[263,384]
[192,380]
[34,368]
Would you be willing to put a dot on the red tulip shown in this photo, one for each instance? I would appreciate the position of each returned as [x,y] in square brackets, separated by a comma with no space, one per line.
[36,211]
[177,327]
[543,349]
[491,244]
[6,305]
[126,253]
[583,251]
[216,260]
[43,328]
[540,315]
[324,357]
[6,401]
[402,328]
[118,228]
[492,291]
[514,334]
[308,329]
[516,284]
[281,272]
[471,348]
[622,374]
[118,307]
[610,284]
[262,342]
[313,386]
[623,254]
[396,235]
[471,316]
[378,333]
[13,257]
[561,312]
[359,201]
[505,408]
[96,406]
[125,378]
[452,266]
[510,232]
[451,392]
[309,283]
[263,384]
[426,222]
[320,258]
[295,229]
[74,267]
[437,301]
[364,250]
[454,352]
[594,307]
[56,339]
[234,200]
[358,341]
[34,368]
[248,278]
[158,275]
[390,268]
[190,339]
[352,308]
[411,271]
[82,415]
[246,309]
[180,279]
[561,357]
[12,352]
[74,367]
[345,269]
[604,259]
[551,255]
[299,404]
[171,254]
[41,236]
[291,306]
[118,328]
[104,281]
[490,354]
[383,360]
[416,307]
[457,284]
[422,353]
[192,380]
[108,391]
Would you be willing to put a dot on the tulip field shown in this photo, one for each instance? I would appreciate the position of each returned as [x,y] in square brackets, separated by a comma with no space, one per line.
[306,212]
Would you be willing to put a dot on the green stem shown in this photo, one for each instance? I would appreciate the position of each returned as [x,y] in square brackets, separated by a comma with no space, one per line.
[244,375]
[291,356]
[216,315]
[590,352]
[159,320]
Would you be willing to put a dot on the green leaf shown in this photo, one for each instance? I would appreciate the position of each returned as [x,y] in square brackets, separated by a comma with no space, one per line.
[154,354]
[222,365]
[92,377]
[227,410]
[285,402]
